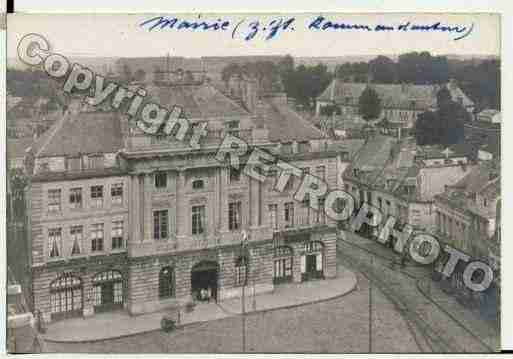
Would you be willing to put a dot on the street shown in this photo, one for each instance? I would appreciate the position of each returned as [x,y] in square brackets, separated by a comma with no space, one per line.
[403,320]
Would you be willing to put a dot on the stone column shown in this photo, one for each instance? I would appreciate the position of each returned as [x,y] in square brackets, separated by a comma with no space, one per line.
[223,211]
[181,208]
[254,203]
[147,215]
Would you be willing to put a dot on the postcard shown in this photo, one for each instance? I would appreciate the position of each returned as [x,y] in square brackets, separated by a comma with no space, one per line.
[253,183]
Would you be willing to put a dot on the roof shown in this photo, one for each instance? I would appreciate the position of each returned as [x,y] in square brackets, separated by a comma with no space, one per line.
[286,125]
[370,160]
[438,151]
[478,178]
[81,133]
[149,64]
[349,145]
[16,147]
[197,101]
[392,95]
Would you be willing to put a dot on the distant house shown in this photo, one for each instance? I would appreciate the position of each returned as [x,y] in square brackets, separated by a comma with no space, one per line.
[401,103]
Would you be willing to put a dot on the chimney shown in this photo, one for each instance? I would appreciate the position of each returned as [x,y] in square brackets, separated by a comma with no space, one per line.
[249,97]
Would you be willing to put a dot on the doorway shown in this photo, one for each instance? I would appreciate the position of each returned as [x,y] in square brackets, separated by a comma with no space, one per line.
[204,277]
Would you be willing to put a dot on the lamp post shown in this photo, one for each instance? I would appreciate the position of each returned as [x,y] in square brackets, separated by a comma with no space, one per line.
[245,260]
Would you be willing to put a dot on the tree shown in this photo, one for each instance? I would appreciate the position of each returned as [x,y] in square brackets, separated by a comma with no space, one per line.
[369,104]
[445,126]
[383,70]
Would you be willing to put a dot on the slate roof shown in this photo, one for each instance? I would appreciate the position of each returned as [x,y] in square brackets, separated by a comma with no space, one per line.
[370,160]
[392,95]
[478,177]
[197,101]
[285,124]
[81,132]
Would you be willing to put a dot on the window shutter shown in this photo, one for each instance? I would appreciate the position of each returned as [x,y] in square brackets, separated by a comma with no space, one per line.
[318,262]
[303,264]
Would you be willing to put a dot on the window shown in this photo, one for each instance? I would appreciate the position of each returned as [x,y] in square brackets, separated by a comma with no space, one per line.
[76,238]
[290,183]
[289,214]
[198,184]
[320,171]
[233,128]
[234,216]
[160,224]
[273,215]
[198,219]
[54,242]
[286,148]
[54,200]
[116,234]
[65,294]
[160,180]
[282,265]
[116,192]
[97,237]
[96,161]
[233,125]
[97,196]
[380,202]
[167,282]
[73,164]
[321,213]
[241,266]
[303,146]
[234,175]
[75,198]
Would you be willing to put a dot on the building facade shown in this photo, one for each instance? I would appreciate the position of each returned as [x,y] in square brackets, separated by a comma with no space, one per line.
[122,220]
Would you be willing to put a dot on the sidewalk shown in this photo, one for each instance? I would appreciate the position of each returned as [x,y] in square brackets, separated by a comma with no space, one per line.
[119,324]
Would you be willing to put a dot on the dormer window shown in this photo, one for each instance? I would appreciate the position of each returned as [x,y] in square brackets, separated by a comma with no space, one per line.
[198,184]
[73,163]
[234,175]
[96,161]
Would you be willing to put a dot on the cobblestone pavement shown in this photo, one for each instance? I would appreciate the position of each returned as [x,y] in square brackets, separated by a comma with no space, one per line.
[444,332]
[338,325]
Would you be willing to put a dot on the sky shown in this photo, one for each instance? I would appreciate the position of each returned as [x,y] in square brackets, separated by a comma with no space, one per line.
[122,36]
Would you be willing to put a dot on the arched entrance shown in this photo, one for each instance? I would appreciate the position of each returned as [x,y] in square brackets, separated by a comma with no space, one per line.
[204,280]
[66,299]
[312,261]
[108,291]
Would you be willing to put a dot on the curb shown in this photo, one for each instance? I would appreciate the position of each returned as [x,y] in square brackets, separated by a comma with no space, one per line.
[229,315]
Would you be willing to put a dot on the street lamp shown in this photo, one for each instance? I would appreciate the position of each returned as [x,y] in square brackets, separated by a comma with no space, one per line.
[245,260]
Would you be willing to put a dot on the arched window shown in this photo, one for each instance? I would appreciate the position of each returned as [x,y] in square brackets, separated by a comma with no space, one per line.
[167,282]
[66,295]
